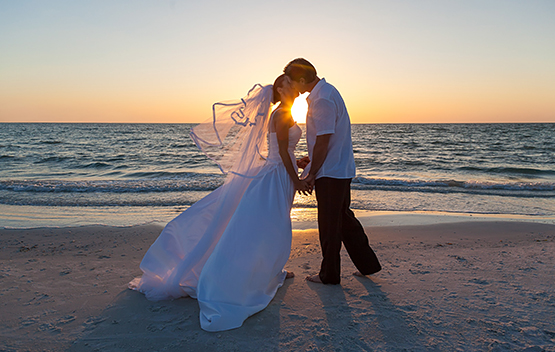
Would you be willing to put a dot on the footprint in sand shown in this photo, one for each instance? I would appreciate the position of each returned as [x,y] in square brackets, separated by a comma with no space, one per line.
[30,321]
[65,272]
[92,322]
[155,309]
[50,328]
[66,319]
[478,281]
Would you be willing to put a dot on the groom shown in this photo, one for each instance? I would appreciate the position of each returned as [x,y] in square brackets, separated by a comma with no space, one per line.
[332,167]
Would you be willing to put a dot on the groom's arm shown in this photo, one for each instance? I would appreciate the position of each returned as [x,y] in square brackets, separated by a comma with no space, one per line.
[319,154]
[323,118]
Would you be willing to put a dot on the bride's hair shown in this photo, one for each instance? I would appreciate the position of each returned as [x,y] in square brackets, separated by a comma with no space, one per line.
[300,68]
[277,84]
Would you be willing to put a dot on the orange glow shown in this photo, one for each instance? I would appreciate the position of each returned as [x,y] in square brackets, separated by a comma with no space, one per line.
[299,108]
[432,68]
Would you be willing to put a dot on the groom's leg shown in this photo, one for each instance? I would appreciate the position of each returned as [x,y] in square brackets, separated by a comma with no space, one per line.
[356,241]
[329,195]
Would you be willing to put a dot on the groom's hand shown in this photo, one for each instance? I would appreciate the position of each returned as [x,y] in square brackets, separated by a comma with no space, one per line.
[303,187]
[311,180]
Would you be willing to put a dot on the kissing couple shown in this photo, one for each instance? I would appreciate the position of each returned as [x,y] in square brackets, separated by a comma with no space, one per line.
[229,249]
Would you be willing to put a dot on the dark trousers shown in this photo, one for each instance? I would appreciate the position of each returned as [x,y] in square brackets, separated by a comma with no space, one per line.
[337,224]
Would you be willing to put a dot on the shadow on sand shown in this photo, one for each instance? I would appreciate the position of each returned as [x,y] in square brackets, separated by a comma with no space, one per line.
[132,323]
[357,316]
[366,321]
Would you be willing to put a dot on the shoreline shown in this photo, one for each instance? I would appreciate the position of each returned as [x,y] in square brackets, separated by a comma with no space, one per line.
[473,286]
[302,218]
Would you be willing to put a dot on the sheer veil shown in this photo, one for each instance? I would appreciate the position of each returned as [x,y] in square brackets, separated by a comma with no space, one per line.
[236,139]
[236,135]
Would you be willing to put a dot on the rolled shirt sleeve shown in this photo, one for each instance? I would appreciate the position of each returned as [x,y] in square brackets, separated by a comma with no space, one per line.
[324,116]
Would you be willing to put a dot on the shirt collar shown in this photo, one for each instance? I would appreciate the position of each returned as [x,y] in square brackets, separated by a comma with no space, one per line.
[316,89]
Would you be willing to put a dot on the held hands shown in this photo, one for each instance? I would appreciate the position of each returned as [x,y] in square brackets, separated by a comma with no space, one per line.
[303,187]
[311,180]
[306,185]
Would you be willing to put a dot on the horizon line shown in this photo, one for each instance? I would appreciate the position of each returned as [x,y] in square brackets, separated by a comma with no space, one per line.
[299,123]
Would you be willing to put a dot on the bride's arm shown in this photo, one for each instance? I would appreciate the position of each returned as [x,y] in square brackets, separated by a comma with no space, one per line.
[282,120]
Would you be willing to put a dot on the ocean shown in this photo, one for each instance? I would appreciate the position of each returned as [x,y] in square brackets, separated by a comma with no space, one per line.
[66,174]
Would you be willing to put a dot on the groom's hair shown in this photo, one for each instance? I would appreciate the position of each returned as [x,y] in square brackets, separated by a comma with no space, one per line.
[300,68]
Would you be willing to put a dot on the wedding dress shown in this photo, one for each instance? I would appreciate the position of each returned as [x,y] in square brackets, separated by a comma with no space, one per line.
[228,250]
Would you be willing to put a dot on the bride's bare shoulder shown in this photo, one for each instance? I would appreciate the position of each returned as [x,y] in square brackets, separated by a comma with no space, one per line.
[282,119]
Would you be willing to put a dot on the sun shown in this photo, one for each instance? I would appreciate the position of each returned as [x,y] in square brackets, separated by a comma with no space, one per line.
[299,108]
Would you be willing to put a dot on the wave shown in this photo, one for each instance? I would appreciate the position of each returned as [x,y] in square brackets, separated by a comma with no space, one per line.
[451,185]
[170,175]
[508,170]
[114,186]
[52,159]
[124,202]
[163,182]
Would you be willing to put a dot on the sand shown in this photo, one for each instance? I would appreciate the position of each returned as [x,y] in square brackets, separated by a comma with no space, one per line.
[449,286]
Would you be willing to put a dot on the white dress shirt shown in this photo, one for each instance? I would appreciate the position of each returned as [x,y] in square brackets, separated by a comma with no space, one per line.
[327,114]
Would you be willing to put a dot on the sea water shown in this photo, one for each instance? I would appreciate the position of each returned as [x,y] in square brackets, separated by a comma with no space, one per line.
[58,174]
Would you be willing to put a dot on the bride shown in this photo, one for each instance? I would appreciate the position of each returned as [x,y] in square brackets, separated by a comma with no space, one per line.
[229,249]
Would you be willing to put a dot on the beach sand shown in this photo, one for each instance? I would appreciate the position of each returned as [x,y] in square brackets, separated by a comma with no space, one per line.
[449,286]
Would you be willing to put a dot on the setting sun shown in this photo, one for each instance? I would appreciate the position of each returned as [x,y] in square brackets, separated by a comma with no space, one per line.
[299,108]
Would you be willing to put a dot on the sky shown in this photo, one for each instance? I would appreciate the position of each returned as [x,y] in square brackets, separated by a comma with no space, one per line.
[428,61]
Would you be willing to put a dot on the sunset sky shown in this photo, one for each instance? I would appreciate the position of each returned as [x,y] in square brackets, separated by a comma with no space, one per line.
[168,61]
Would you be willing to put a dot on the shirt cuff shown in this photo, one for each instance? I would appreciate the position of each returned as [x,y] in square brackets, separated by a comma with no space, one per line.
[325,132]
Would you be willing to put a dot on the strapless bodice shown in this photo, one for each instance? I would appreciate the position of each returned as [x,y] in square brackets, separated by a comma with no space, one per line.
[295,133]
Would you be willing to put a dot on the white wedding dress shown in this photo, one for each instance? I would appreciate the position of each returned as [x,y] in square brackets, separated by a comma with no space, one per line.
[229,249]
